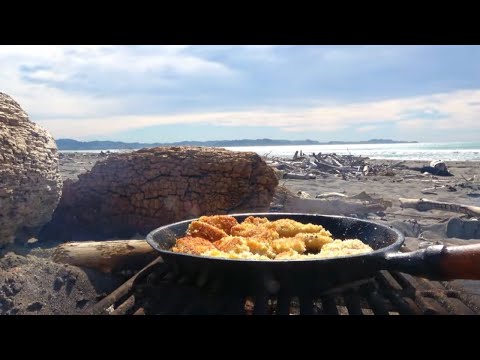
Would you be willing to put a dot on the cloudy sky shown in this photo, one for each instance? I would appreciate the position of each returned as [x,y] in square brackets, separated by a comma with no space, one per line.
[172,93]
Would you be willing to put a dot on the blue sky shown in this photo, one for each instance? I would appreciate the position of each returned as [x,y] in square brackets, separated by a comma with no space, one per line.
[172,93]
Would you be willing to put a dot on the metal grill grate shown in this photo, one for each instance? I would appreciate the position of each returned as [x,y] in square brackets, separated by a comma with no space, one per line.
[154,290]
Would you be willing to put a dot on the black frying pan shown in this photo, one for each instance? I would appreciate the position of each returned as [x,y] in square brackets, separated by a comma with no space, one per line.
[435,262]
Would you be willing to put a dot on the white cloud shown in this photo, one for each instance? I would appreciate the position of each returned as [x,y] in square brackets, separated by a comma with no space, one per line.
[367,128]
[50,81]
[97,90]
[364,115]
[414,124]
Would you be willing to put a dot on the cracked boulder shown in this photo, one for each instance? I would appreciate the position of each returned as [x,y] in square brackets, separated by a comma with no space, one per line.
[136,192]
[30,183]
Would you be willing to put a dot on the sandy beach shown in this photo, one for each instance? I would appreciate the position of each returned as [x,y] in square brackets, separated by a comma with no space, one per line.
[74,288]
[403,184]
[462,188]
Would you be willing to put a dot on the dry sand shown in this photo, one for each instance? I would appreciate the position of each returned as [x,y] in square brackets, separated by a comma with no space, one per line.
[405,184]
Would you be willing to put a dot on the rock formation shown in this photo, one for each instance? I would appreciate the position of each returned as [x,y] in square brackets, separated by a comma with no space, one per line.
[30,184]
[136,192]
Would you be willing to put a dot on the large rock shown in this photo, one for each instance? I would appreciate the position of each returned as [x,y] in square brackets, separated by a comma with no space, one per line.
[30,184]
[136,192]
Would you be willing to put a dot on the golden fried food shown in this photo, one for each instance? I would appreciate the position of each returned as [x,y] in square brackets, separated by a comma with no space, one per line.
[243,255]
[285,244]
[314,242]
[289,255]
[290,228]
[238,244]
[266,231]
[261,247]
[344,248]
[256,220]
[206,231]
[192,245]
[234,244]
[223,222]
[259,239]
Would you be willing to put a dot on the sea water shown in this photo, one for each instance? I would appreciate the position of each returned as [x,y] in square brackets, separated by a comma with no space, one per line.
[452,151]
[414,151]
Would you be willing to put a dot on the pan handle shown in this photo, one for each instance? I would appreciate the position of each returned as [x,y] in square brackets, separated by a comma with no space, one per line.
[438,262]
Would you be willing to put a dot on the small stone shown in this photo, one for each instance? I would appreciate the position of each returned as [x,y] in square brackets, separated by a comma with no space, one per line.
[13,311]
[32,241]
[58,283]
[81,303]
[11,287]
[5,304]
[35,306]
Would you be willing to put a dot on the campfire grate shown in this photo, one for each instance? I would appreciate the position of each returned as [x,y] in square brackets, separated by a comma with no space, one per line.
[156,291]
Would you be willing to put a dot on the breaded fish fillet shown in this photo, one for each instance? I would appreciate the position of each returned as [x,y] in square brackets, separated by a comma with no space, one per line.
[206,231]
[223,222]
[243,255]
[285,244]
[314,242]
[259,239]
[238,244]
[289,255]
[264,231]
[234,244]
[261,246]
[192,245]
[255,220]
[344,248]
[290,228]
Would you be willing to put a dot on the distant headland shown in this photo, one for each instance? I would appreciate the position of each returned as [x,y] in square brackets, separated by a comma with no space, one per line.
[70,144]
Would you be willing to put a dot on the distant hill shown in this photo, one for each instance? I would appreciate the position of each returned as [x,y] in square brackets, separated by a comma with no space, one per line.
[70,144]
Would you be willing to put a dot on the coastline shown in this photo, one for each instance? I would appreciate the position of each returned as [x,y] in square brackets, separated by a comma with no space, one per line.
[421,151]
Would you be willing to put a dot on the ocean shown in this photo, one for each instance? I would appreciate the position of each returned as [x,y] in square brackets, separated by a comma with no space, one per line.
[453,151]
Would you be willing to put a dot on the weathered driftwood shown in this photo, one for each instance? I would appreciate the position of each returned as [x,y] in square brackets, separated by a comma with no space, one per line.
[101,308]
[330,195]
[435,180]
[321,163]
[335,160]
[432,190]
[106,256]
[298,176]
[425,205]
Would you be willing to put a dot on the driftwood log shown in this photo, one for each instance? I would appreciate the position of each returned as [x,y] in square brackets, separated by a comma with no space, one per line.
[298,176]
[425,205]
[106,256]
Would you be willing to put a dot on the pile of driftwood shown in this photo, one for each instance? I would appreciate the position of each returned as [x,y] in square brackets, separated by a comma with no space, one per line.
[304,166]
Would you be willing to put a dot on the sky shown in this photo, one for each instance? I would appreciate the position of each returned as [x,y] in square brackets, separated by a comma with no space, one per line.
[167,93]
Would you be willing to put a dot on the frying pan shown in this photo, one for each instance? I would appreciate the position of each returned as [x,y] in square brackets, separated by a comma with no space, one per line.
[436,262]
